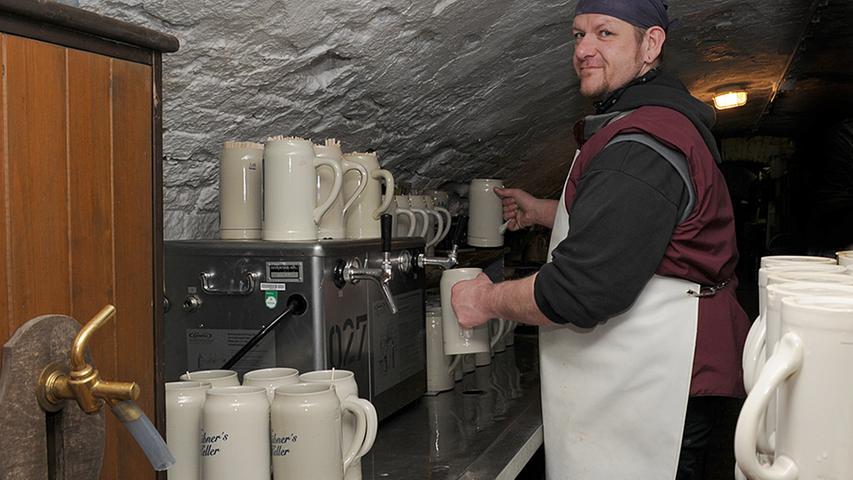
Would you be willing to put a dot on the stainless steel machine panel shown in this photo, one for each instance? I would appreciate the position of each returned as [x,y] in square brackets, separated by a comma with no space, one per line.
[222,292]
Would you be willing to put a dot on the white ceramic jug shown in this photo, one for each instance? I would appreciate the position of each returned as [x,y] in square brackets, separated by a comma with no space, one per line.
[306,432]
[362,218]
[485,213]
[332,223]
[347,388]
[291,210]
[235,440]
[458,340]
[434,222]
[184,404]
[241,177]
[810,375]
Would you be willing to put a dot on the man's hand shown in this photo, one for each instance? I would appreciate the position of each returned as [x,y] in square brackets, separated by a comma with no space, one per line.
[470,300]
[521,208]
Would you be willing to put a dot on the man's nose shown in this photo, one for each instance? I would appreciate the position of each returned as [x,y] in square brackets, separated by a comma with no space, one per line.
[584,47]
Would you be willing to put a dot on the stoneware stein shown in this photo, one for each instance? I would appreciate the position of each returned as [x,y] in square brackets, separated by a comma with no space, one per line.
[485,213]
[457,340]
[809,373]
[291,208]
[447,218]
[404,221]
[184,404]
[772,260]
[216,378]
[306,432]
[332,223]
[362,218]
[773,329]
[406,227]
[434,220]
[440,371]
[751,358]
[347,388]
[241,180]
[235,438]
[270,378]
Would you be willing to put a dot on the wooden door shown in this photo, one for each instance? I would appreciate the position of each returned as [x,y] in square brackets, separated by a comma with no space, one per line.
[78,210]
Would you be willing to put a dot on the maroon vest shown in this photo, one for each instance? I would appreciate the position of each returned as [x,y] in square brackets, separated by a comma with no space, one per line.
[702,249]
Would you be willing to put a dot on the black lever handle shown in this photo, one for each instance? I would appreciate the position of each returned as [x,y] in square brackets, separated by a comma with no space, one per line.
[461,223]
[385,222]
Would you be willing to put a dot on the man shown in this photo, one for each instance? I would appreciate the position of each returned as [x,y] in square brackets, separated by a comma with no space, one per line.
[637,307]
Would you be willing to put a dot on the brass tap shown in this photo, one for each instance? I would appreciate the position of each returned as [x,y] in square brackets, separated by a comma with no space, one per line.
[80,381]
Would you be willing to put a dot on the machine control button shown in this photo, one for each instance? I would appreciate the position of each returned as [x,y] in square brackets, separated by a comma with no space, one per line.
[191,304]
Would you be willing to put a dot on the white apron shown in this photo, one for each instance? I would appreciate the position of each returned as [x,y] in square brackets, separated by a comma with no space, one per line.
[614,398]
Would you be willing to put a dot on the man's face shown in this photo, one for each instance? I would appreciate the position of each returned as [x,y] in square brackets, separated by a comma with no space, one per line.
[607,54]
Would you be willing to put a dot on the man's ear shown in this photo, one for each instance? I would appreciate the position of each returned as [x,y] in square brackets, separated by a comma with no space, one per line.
[655,37]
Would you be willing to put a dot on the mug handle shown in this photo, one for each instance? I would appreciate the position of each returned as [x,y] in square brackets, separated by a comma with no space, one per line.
[785,361]
[457,359]
[752,352]
[362,182]
[350,405]
[389,191]
[425,215]
[440,228]
[498,333]
[336,187]
[372,425]
[447,222]
[503,227]
[412,222]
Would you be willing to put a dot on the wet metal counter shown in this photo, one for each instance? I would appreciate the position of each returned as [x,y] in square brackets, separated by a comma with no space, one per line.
[487,427]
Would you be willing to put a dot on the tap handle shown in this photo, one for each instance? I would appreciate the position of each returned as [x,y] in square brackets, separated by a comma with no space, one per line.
[385,221]
[461,222]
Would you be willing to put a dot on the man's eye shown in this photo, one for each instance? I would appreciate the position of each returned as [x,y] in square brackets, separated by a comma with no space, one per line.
[605,33]
[578,35]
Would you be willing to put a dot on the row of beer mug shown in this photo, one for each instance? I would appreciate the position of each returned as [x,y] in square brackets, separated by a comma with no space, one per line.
[798,416]
[292,189]
[444,370]
[312,425]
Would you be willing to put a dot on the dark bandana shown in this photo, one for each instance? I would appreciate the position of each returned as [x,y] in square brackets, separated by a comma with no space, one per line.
[640,13]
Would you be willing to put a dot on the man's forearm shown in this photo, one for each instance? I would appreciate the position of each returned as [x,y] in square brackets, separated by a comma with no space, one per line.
[546,212]
[514,300]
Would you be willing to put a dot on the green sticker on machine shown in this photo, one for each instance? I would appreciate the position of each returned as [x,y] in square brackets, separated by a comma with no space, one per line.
[271,298]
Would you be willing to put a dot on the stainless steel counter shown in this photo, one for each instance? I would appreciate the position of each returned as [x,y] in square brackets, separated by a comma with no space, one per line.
[487,427]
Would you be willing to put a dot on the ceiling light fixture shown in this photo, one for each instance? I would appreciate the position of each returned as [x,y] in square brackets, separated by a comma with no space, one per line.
[726,100]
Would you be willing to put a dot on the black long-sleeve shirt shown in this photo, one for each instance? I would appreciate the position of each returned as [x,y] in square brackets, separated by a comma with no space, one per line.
[628,202]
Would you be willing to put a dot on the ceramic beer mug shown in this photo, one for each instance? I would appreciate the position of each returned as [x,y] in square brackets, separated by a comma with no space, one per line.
[347,388]
[457,340]
[447,218]
[772,260]
[755,338]
[434,220]
[235,438]
[306,432]
[810,376]
[404,221]
[241,170]
[440,367]
[270,378]
[362,218]
[332,223]
[291,209]
[773,329]
[184,404]
[216,378]
[485,214]
[844,258]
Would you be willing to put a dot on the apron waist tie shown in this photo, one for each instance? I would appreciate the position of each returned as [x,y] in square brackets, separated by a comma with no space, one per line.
[709,291]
